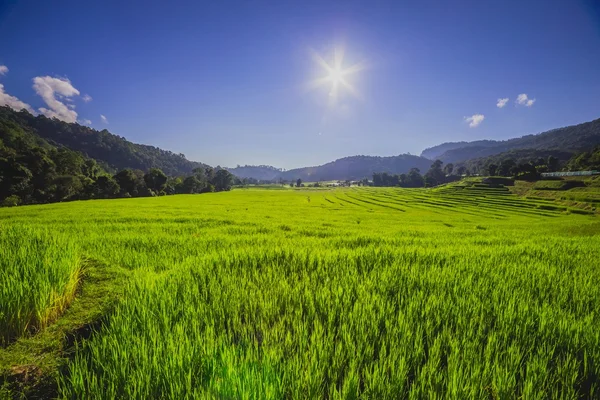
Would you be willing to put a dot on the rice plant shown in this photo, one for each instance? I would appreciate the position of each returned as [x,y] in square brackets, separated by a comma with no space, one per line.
[260,294]
[39,273]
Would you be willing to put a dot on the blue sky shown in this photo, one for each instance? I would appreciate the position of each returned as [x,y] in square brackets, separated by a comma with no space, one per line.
[227,82]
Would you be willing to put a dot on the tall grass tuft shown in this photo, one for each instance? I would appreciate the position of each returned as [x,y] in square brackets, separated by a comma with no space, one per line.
[39,275]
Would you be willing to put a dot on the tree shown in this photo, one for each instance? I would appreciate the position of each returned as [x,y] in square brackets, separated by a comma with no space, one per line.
[67,187]
[539,162]
[126,180]
[156,180]
[91,169]
[553,164]
[106,187]
[11,201]
[506,167]
[377,179]
[298,182]
[525,171]
[435,175]
[191,185]
[492,169]
[414,178]
[461,170]
[449,168]
[223,180]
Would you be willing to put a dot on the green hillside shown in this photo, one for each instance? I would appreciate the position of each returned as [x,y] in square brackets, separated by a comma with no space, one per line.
[576,138]
[113,152]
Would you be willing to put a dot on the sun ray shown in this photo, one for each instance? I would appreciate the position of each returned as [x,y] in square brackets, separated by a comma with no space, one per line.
[336,74]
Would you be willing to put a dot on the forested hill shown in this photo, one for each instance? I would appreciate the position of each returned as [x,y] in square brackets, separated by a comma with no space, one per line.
[573,139]
[358,167]
[434,152]
[111,151]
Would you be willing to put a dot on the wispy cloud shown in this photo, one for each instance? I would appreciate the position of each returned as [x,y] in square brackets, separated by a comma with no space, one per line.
[524,100]
[86,98]
[104,119]
[3,69]
[475,119]
[11,101]
[52,91]
[85,122]
[502,102]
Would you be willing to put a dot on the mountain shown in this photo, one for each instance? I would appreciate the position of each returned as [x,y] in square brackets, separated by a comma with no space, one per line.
[348,168]
[111,151]
[358,167]
[436,151]
[260,172]
[572,139]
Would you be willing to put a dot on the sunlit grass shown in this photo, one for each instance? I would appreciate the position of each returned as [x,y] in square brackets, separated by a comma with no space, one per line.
[39,273]
[370,293]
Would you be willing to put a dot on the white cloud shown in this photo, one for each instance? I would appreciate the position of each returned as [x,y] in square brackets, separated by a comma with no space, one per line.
[53,90]
[475,119]
[103,118]
[524,100]
[86,98]
[3,69]
[85,122]
[11,101]
[502,102]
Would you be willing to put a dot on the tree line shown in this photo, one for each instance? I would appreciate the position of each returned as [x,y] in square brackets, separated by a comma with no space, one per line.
[33,171]
[436,175]
[507,167]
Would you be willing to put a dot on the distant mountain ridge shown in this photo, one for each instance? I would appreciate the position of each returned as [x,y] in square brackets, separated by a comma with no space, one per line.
[560,142]
[260,172]
[347,168]
[436,151]
[115,153]
[573,139]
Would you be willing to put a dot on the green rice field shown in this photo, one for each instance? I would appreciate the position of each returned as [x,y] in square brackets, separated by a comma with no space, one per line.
[459,292]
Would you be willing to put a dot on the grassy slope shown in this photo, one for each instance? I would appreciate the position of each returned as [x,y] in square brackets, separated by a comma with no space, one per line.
[584,198]
[385,293]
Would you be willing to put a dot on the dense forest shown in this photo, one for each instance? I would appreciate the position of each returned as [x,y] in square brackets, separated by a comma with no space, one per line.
[586,161]
[573,139]
[112,152]
[34,170]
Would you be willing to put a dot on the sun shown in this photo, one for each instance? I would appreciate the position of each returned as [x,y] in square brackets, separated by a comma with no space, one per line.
[336,74]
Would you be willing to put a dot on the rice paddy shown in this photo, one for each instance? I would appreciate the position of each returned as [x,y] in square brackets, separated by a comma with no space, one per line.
[39,273]
[457,292]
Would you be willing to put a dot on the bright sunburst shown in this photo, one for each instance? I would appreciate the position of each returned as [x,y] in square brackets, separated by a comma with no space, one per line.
[335,74]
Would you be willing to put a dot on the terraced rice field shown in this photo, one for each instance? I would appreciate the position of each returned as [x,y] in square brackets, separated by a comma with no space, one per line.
[457,292]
